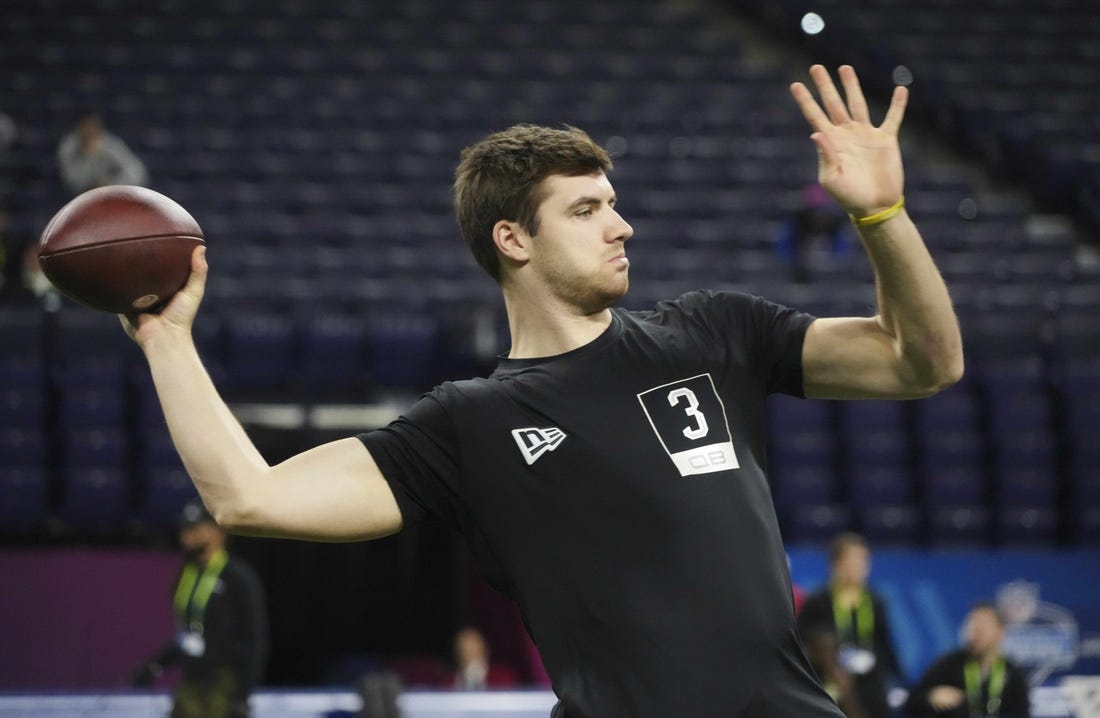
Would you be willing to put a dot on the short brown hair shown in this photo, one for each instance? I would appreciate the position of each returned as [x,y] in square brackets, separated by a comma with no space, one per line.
[499,177]
[842,543]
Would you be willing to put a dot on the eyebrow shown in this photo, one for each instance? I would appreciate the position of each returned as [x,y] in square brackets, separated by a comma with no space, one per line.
[582,201]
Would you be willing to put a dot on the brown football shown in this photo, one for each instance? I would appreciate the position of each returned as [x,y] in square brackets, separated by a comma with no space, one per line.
[121,249]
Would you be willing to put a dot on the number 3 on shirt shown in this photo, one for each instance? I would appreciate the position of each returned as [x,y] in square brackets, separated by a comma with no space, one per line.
[700,429]
[678,412]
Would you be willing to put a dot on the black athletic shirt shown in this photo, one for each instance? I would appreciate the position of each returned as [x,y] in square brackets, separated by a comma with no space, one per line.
[617,493]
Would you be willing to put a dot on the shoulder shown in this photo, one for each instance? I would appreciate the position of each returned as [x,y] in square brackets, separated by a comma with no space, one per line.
[703,307]
[819,597]
[112,141]
[448,402]
[1015,670]
[951,659]
[817,604]
[704,299]
[451,395]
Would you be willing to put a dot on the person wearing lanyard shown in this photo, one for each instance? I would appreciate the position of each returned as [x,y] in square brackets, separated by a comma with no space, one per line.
[220,615]
[858,617]
[975,681]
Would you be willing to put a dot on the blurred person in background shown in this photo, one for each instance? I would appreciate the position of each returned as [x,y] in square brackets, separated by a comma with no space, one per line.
[816,237]
[474,669]
[221,617]
[823,651]
[857,617]
[975,681]
[90,157]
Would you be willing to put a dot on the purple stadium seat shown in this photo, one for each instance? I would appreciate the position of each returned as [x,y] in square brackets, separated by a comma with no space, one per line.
[1087,525]
[92,407]
[402,351]
[22,406]
[260,351]
[23,446]
[959,526]
[23,496]
[802,453]
[879,484]
[95,499]
[954,485]
[164,491]
[95,447]
[22,388]
[801,481]
[333,355]
[891,524]
[1026,485]
[1027,526]
[816,523]
[1080,391]
[85,335]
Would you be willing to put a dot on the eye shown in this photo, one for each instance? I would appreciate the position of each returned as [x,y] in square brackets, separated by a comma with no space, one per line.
[587,212]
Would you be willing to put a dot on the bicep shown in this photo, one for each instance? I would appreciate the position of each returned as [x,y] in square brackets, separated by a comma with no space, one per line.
[853,358]
[334,492]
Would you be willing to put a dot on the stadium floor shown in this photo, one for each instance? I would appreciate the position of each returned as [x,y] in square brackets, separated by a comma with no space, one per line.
[283,704]
[1046,701]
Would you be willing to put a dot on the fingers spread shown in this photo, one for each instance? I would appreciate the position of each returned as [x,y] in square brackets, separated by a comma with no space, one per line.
[810,109]
[830,97]
[857,105]
[896,112]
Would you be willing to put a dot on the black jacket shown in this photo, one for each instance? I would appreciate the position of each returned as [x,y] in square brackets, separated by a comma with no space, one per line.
[817,612]
[950,670]
[235,630]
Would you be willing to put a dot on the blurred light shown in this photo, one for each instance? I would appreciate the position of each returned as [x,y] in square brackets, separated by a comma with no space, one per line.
[616,146]
[902,75]
[812,23]
[968,208]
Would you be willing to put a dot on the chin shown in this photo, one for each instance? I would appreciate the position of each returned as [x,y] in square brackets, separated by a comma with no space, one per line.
[610,295]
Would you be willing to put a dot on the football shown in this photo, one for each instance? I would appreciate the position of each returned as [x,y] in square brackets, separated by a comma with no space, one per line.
[120,249]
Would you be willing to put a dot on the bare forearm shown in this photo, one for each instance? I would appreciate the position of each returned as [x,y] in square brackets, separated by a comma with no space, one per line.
[914,305]
[217,453]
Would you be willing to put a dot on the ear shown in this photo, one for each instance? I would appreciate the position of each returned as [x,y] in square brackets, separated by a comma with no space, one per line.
[511,241]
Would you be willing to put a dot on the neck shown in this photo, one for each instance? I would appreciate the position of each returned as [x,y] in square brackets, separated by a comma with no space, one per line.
[208,554]
[847,594]
[988,657]
[542,326]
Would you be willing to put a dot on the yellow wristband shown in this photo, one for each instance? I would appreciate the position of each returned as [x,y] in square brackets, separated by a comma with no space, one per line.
[879,217]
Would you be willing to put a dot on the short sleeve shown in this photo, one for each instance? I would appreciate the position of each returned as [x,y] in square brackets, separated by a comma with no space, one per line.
[418,455]
[765,335]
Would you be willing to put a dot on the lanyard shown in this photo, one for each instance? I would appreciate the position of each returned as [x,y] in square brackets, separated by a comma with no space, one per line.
[194,590]
[973,673]
[865,621]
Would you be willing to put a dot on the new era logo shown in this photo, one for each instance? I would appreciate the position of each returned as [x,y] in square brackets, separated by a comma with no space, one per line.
[536,442]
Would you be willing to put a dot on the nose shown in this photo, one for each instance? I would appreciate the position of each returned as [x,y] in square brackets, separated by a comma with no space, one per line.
[622,230]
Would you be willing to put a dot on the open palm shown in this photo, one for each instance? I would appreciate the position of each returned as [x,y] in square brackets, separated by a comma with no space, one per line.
[858,164]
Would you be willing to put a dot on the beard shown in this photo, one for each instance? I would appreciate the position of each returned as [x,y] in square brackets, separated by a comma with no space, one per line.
[590,295]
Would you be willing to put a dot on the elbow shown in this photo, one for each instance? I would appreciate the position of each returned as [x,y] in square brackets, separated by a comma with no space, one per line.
[938,373]
[236,516]
[954,370]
